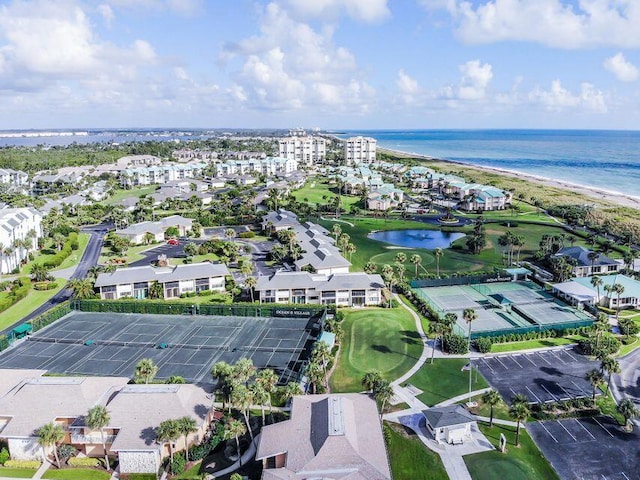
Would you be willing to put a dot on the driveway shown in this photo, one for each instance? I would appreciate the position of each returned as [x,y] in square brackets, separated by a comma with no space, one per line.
[171,251]
[627,383]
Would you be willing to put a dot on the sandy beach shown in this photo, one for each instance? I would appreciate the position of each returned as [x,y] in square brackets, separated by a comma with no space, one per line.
[593,192]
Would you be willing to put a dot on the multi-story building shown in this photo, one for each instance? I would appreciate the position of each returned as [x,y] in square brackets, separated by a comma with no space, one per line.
[136,282]
[587,262]
[305,150]
[13,178]
[359,150]
[267,166]
[20,229]
[161,174]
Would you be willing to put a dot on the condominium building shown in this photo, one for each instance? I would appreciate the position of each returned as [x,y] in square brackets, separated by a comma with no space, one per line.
[135,282]
[20,229]
[305,150]
[267,166]
[13,178]
[359,150]
[160,174]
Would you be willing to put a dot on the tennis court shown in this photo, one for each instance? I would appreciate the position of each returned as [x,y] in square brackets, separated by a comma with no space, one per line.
[503,307]
[83,343]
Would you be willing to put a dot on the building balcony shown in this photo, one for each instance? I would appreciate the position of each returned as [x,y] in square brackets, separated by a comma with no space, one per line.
[91,439]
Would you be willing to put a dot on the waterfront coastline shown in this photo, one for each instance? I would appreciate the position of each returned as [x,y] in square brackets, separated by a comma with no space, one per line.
[603,195]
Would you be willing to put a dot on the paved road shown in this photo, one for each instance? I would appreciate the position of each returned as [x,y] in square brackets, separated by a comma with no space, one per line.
[627,384]
[88,260]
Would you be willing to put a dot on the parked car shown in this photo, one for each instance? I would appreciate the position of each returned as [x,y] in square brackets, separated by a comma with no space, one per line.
[173,241]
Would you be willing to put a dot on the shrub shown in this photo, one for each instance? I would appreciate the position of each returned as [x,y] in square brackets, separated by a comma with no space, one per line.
[65,452]
[246,235]
[84,462]
[45,285]
[4,456]
[452,343]
[198,452]
[608,344]
[483,344]
[179,463]
[26,464]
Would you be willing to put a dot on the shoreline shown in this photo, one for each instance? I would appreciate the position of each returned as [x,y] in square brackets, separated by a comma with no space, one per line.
[596,193]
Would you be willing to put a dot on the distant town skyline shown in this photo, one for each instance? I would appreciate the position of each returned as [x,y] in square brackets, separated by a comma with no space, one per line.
[332,64]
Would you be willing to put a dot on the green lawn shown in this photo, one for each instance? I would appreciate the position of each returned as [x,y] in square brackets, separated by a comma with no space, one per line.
[518,463]
[192,473]
[133,253]
[71,260]
[33,300]
[375,338]
[501,410]
[410,459]
[77,474]
[119,195]
[316,188]
[17,472]
[527,344]
[627,349]
[445,379]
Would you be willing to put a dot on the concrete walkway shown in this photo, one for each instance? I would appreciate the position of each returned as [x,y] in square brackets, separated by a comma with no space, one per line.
[43,468]
[464,396]
[426,351]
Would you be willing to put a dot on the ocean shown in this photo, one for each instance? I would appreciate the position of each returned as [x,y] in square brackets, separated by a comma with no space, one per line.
[609,160]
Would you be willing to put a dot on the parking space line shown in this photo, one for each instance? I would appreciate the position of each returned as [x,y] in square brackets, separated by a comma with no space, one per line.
[568,352]
[514,359]
[543,358]
[500,361]
[545,429]
[552,395]
[487,364]
[624,475]
[602,426]
[584,428]
[554,354]
[564,390]
[578,387]
[527,356]
[538,400]
[565,429]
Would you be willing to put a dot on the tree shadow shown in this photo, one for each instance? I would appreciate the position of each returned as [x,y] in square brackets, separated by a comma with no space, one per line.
[148,435]
[552,371]
[381,348]
[410,333]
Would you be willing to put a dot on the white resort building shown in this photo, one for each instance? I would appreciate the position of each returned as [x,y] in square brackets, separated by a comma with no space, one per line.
[20,229]
[359,150]
[305,150]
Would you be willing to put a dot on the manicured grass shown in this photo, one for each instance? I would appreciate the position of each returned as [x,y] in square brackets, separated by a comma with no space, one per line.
[627,349]
[318,187]
[527,344]
[77,474]
[375,338]
[17,472]
[518,463]
[33,300]
[71,260]
[608,406]
[132,254]
[410,459]
[119,195]
[445,379]
[501,410]
[190,474]
[423,320]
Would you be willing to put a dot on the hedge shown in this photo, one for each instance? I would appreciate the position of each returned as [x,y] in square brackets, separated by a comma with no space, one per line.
[84,462]
[456,344]
[19,291]
[45,285]
[66,250]
[26,464]
[246,235]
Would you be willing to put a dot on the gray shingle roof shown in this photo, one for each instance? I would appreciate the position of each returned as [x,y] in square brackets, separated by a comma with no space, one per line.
[124,276]
[581,255]
[447,416]
[337,281]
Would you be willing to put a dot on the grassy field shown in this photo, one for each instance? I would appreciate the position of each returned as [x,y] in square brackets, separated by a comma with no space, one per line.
[410,459]
[33,300]
[133,253]
[119,195]
[77,474]
[527,344]
[518,463]
[501,410]
[316,188]
[17,472]
[375,338]
[190,474]
[70,261]
[445,379]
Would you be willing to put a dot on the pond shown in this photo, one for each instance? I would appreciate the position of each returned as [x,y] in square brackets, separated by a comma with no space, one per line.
[428,239]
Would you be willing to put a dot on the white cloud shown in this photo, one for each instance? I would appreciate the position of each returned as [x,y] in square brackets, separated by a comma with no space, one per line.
[107,13]
[406,84]
[558,98]
[181,7]
[475,79]
[289,66]
[556,23]
[362,10]
[624,70]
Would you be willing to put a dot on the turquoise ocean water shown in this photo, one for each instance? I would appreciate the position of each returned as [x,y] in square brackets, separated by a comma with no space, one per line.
[605,159]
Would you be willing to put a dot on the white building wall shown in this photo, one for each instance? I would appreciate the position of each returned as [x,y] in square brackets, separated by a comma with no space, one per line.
[27,219]
[145,461]
[359,150]
[25,449]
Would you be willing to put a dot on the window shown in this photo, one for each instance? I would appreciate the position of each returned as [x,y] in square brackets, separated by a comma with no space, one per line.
[171,289]
[202,284]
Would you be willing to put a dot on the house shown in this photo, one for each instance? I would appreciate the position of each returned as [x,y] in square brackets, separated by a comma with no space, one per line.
[56,182]
[280,220]
[629,297]
[342,289]
[136,282]
[137,232]
[575,293]
[28,401]
[588,262]
[450,424]
[20,229]
[327,436]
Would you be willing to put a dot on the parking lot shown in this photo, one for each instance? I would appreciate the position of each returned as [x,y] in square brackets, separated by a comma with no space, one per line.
[541,376]
[588,448]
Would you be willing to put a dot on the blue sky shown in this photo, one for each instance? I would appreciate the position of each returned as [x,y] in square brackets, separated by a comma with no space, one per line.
[352,64]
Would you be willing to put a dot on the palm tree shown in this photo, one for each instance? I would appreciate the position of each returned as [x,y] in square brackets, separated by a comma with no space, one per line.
[401,257]
[519,411]
[469,315]
[416,260]
[383,393]
[145,371]
[39,273]
[322,353]
[221,373]
[82,288]
[371,379]
[251,283]
[491,397]
[148,238]
[50,435]
[315,375]
[337,231]
[351,249]
[267,380]
[156,290]
[97,418]
[596,282]
[438,252]
[593,256]
[167,432]
[242,399]
[438,328]
[290,390]
[611,366]
[243,371]
[186,425]
[234,429]
[260,397]
[370,268]
[596,378]
[618,289]
[628,410]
